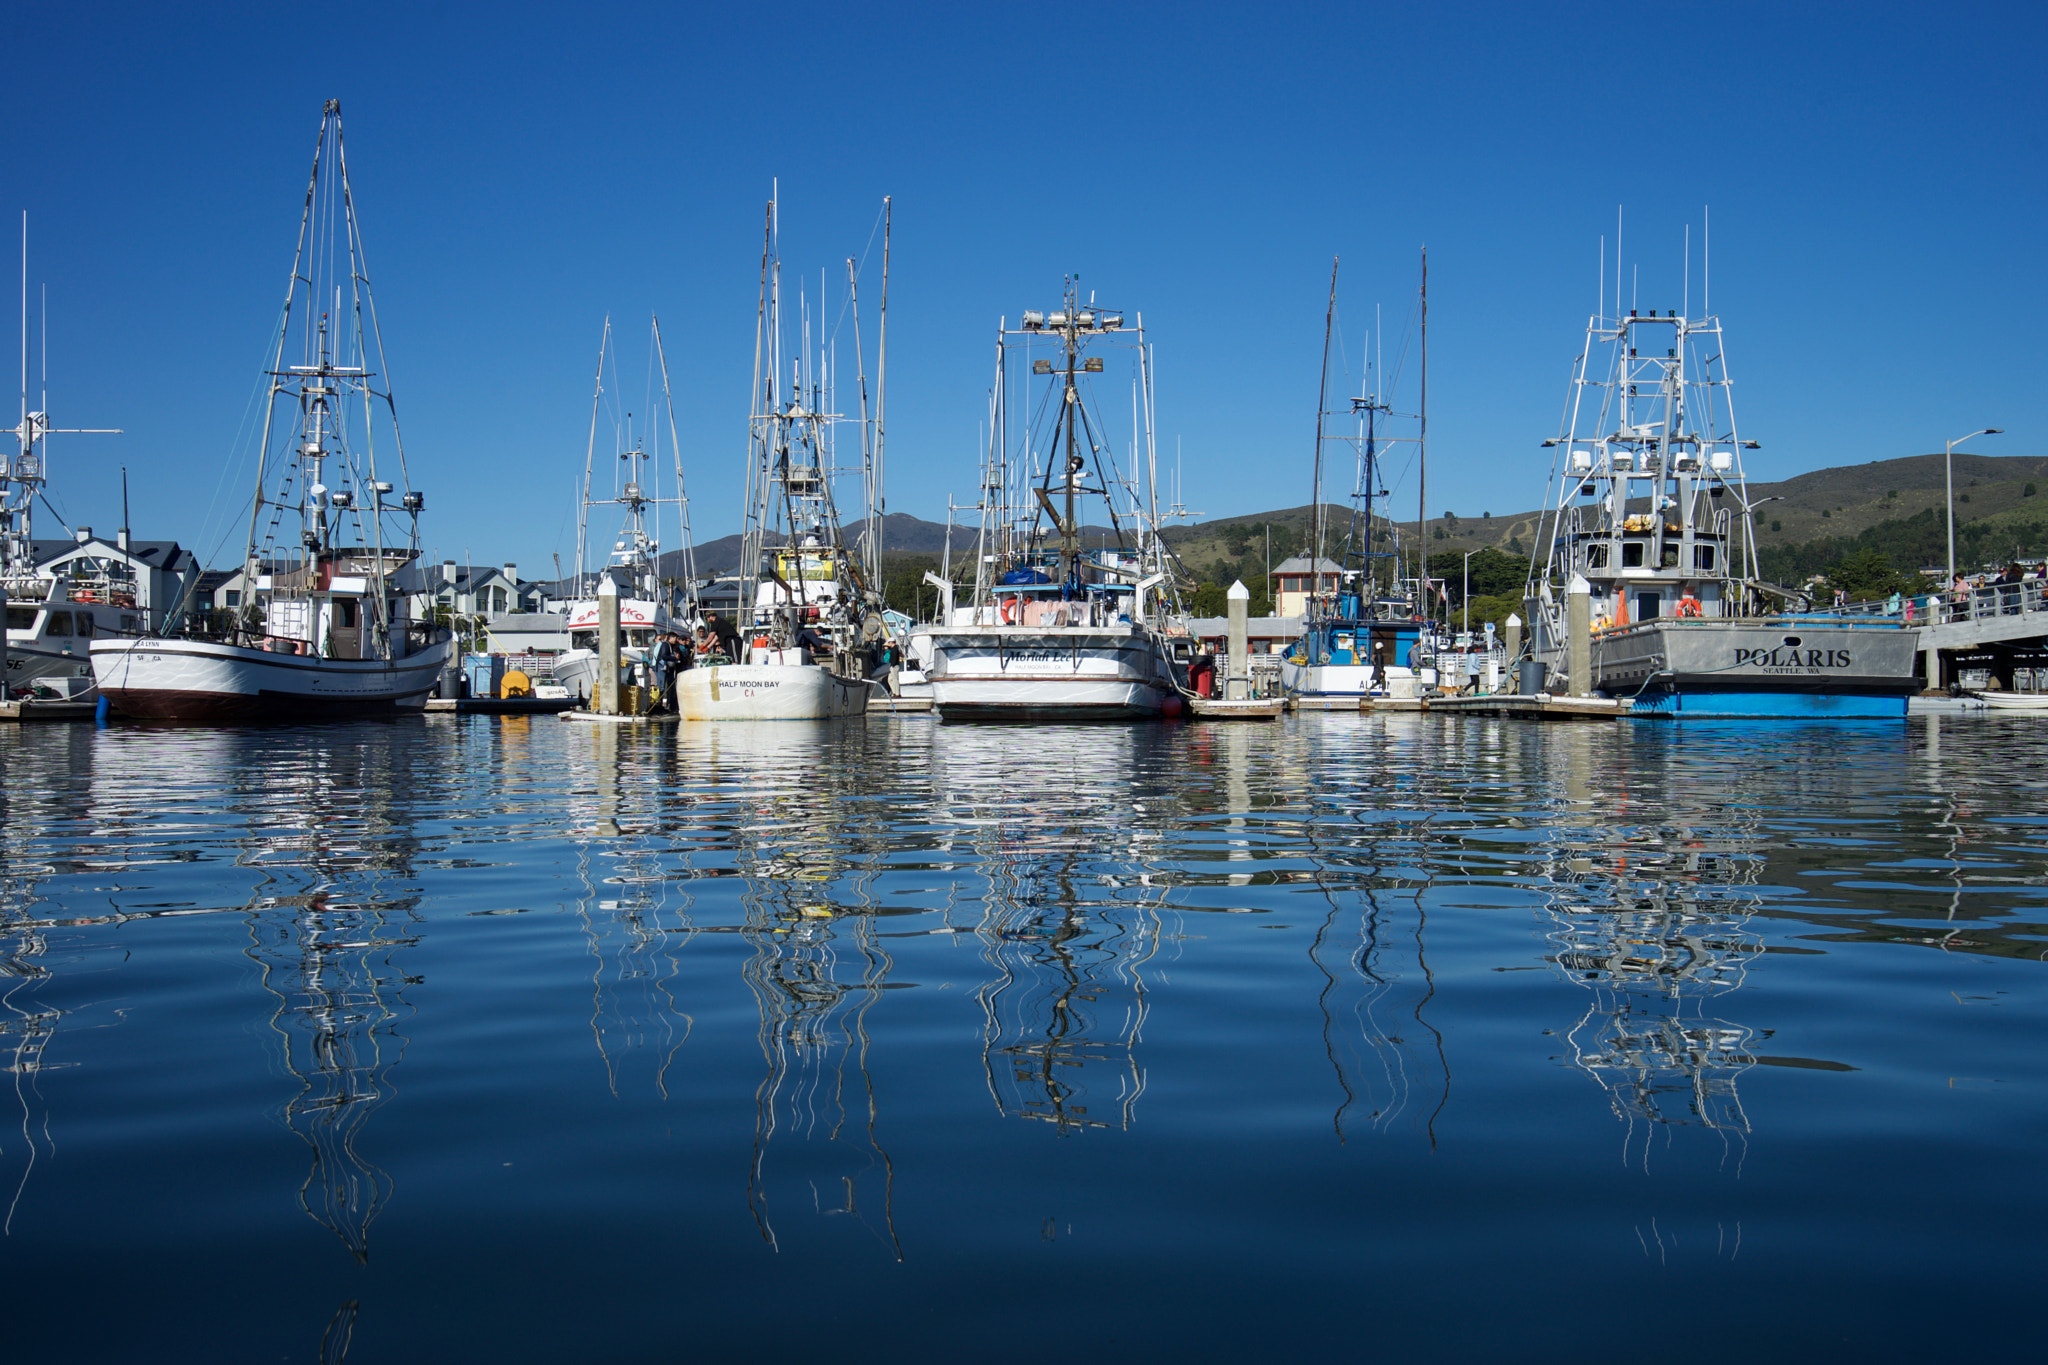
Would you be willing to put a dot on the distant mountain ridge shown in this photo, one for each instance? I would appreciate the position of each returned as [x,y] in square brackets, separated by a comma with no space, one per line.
[1839,501]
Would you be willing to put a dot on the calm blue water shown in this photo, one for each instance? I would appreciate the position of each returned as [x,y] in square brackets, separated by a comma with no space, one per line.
[1404,1037]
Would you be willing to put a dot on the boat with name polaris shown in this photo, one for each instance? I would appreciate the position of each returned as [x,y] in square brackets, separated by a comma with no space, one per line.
[1653,524]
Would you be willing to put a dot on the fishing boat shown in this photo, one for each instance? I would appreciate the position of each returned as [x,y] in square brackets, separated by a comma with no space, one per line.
[647,607]
[813,615]
[324,631]
[51,617]
[1653,525]
[1057,629]
[1363,635]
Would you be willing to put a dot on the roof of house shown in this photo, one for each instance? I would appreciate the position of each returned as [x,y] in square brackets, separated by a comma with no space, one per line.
[1299,564]
[157,554]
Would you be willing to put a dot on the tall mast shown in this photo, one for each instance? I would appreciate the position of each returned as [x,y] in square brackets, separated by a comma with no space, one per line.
[590,456]
[1322,401]
[23,477]
[1070,545]
[682,493]
[1422,453]
[759,399]
[878,503]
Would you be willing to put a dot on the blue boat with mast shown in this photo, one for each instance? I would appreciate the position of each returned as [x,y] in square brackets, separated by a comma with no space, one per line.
[1363,634]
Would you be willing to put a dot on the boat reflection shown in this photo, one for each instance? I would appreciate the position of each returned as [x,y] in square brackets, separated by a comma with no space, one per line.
[47,835]
[1374,855]
[816,970]
[336,851]
[634,908]
[1072,896]
[1652,921]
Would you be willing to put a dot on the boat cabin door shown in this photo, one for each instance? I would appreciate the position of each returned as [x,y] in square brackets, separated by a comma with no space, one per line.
[345,628]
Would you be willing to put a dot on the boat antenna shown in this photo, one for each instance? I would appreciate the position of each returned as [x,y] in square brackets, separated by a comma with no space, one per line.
[1322,401]
[878,505]
[124,501]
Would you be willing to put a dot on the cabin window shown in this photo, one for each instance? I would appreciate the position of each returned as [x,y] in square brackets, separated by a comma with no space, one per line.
[85,625]
[60,624]
[1703,556]
[21,618]
[1669,559]
[1632,554]
[131,624]
[1596,556]
[1647,605]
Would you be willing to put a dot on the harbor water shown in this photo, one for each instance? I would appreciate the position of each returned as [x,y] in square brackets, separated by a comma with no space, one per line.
[1403,1037]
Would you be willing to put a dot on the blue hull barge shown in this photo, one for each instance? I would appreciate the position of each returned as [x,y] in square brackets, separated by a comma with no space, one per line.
[1652,523]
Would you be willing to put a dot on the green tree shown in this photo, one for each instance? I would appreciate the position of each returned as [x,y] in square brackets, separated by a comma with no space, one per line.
[1868,574]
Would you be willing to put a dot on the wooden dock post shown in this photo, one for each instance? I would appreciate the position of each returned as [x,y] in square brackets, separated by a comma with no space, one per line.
[606,702]
[1579,629]
[1238,685]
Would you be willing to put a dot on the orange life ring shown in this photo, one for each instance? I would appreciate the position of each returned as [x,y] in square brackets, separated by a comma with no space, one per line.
[1010,605]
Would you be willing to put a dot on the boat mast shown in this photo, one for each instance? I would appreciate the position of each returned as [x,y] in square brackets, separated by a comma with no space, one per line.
[1422,454]
[251,564]
[590,457]
[682,494]
[877,503]
[1070,545]
[1322,401]
[23,478]
[759,399]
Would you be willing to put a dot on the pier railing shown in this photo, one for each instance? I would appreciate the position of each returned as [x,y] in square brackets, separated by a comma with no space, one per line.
[1957,606]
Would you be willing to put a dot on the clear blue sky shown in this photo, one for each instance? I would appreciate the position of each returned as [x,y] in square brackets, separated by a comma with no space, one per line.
[1875,174]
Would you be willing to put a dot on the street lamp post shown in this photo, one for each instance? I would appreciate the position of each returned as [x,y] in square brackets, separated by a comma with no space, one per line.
[1949,465]
[1466,599]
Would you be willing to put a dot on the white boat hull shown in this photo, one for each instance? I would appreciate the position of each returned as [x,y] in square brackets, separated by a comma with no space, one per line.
[1347,680]
[2022,703]
[768,692]
[1050,673]
[199,680]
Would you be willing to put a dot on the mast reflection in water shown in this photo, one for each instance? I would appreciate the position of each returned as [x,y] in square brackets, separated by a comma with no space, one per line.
[325,941]
[816,970]
[1072,893]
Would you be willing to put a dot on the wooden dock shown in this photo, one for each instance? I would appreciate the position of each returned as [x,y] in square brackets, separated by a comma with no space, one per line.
[882,702]
[1326,704]
[1543,706]
[34,710]
[501,706]
[1217,708]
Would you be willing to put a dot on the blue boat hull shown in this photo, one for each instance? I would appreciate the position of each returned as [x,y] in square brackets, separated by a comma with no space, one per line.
[1704,705]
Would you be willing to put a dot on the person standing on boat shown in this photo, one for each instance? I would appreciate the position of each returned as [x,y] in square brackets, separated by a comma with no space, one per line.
[724,635]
